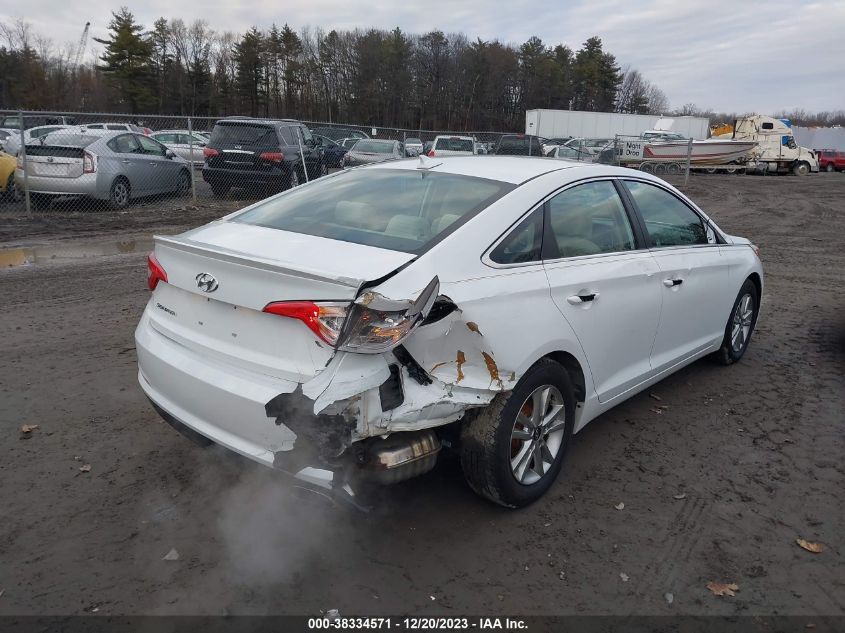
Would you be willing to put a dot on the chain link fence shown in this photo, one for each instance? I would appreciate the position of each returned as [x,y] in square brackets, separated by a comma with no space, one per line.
[77,162]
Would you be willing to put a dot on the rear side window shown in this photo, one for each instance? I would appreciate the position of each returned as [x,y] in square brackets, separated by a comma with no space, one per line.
[236,133]
[397,209]
[668,221]
[523,244]
[374,147]
[590,219]
[454,144]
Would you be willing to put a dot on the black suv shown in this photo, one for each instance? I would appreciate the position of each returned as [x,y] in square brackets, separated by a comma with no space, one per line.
[247,153]
[520,145]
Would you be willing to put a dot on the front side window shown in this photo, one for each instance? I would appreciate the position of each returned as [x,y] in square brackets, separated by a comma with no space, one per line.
[589,219]
[396,209]
[454,144]
[523,244]
[668,221]
[165,138]
[124,144]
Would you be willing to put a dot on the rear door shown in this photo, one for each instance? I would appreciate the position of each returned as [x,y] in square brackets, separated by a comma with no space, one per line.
[604,283]
[695,287]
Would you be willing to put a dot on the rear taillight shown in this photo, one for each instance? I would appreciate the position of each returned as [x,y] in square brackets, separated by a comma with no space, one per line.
[156,273]
[89,163]
[324,319]
[147,131]
[273,157]
[210,152]
[430,153]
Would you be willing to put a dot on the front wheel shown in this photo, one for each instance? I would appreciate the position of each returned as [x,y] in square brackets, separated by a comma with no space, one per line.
[183,185]
[740,325]
[801,169]
[12,192]
[512,450]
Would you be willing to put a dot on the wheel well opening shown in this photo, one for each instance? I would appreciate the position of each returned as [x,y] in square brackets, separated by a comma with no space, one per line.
[573,368]
[755,279]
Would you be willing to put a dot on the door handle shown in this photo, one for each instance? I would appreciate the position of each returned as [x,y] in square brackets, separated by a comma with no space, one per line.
[125,161]
[671,283]
[582,298]
[153,163]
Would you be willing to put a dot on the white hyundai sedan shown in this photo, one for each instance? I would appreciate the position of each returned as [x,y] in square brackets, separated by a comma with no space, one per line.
[345,330]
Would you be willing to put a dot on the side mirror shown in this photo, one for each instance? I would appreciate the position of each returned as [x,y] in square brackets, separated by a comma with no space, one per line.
[169,154]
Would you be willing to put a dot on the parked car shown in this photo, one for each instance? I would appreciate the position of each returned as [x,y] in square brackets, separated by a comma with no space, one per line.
[413,146]
[13,122]
[4,134]
[571,153]
[453,146]
[349,143]
[499,304]
[520,145]
[180,142]
[367,151]
[113,166]
[247,153]
[115,127]
[333,152]
[590,145]
[830,160]
[12,145]
[339,133]
[480,148]
[8,189]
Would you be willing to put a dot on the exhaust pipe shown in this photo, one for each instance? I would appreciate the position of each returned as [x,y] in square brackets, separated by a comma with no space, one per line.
[400,456]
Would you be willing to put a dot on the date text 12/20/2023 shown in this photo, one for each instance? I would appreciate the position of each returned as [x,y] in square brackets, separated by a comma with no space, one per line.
[416,624]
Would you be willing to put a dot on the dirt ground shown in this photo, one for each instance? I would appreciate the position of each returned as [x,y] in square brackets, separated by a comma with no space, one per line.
[717,486]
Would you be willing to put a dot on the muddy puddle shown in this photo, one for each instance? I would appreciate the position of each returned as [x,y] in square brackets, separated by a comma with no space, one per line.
[71,251]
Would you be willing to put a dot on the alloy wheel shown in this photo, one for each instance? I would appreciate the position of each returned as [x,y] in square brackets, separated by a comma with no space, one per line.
[120,194]
[537,434]
[742,321]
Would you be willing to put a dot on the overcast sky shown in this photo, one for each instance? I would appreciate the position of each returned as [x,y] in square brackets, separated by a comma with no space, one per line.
[743,55]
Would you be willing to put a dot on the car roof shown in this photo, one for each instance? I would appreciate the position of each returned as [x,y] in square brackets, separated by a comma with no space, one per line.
[246,119]
[512,169]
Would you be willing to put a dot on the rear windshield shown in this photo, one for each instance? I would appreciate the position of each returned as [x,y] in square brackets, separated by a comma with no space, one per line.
[63,139]
[243,134]
[374,147]
[397,209]
[454,144]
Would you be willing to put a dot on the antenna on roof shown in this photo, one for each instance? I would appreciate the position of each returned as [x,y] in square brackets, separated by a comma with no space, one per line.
[427,163]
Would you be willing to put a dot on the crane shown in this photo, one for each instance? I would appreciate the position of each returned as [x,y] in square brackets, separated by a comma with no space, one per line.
[80,48]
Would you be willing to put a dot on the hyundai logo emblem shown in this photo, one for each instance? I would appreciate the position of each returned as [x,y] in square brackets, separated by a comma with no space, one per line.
[206,282]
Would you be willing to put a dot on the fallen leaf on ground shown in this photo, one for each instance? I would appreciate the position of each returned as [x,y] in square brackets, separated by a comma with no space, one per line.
[816,548]
[171,555]
[680,496]
[670,598]
[620,506]
[655,396]
[28,428]
[432,597]
[623,576]
[723,589]
[657,411]
[85,468]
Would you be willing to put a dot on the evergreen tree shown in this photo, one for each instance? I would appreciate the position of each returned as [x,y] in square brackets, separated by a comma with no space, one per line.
[127,62]
[249,61]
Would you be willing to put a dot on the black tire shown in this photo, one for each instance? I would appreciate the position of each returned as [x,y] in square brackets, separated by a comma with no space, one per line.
[801,168]
[219,190]
[120,193]
[324,168]
[183,185]
[293,177]
[830,167]
[13,194]
[487,446]
[729,353]
[40,200]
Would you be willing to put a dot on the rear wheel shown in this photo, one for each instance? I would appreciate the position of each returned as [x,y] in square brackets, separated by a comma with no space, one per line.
[512,450]
[740,325]
[647,168]
[673,169]
[119,194]
[183,185]
[830,167]
[293,178]
[801,169]
[219,190]
[660,168]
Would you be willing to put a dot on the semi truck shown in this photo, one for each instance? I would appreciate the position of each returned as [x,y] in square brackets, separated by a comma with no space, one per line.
[776,151]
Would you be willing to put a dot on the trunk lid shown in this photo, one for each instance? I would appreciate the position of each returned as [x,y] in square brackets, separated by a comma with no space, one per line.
[253,266]
[54,161]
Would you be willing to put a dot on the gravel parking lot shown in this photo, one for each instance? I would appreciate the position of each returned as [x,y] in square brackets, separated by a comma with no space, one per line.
[720,470]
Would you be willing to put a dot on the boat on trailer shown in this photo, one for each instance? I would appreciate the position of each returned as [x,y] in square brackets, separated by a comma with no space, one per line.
[709,152]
